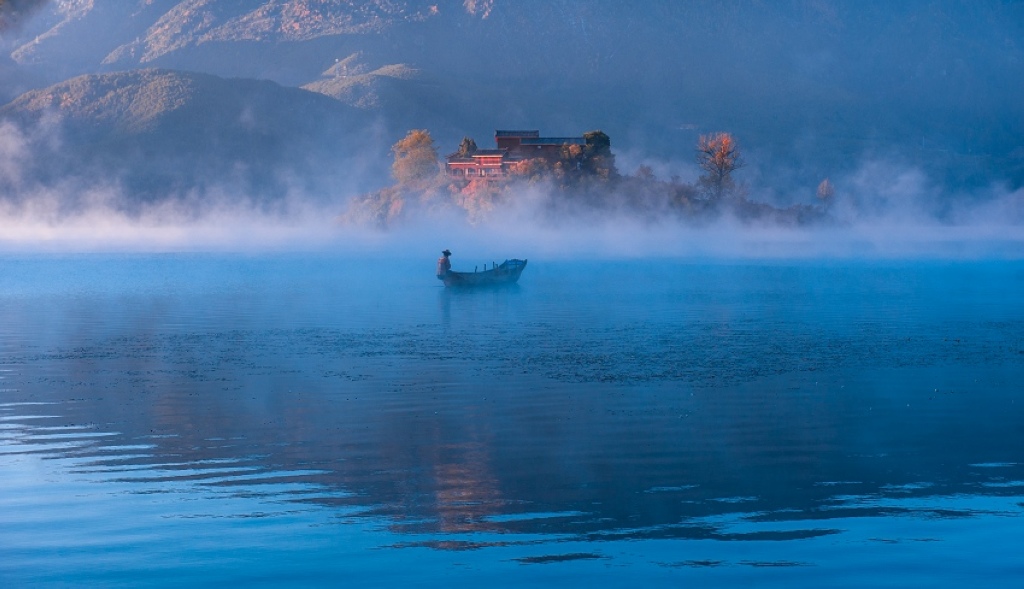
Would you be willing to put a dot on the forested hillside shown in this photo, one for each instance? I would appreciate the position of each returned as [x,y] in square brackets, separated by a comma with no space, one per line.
[812,89]
[156,134]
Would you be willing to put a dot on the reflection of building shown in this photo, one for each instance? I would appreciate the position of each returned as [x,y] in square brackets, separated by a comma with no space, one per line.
[513,148]
[466,490]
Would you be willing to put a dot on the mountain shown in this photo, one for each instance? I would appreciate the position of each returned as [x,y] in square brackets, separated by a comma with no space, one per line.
[86,35]
[810,88]
[162,133]
[197,22]
[349,81]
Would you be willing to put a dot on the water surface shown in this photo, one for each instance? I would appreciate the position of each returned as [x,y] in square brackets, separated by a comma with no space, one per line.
[170,419]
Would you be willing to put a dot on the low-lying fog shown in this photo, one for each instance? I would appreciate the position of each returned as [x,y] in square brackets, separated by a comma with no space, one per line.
[896,220]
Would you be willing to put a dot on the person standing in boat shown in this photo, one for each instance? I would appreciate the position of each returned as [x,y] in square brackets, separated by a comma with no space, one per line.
[444,265]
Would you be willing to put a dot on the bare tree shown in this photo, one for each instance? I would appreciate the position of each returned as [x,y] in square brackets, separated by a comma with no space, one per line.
[719,156]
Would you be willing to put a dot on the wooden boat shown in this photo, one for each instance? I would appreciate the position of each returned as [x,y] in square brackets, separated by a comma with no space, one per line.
[505,273]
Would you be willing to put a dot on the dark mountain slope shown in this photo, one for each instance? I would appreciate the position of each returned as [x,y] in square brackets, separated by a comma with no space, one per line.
[162,133]
[810,88]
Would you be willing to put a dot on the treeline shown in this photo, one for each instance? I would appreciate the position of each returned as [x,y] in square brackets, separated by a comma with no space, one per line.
[583,179]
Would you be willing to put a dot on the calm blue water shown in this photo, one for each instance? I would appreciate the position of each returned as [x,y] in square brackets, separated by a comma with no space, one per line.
[311,420]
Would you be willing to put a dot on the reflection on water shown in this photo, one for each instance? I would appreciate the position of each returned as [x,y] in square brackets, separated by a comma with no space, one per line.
[176,418]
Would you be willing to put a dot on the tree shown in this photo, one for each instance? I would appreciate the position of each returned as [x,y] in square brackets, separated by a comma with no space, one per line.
[597,154]
[533,170]
[598,143]
[572,156]
[467,147]
[479,198]
[380,209]
[415,159]
[592,159]
[645,173]
[719,156]
[825,192]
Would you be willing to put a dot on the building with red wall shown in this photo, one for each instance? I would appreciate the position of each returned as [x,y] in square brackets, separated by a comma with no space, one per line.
[513,148]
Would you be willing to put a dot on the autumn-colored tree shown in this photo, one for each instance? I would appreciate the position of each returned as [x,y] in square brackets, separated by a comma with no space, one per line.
[571,157]
[597,155]
[415,159]
[645,173]
[533,169]
[479,198]
[379,209]
[719,156]
[825,192]
[598,143]
[592,159]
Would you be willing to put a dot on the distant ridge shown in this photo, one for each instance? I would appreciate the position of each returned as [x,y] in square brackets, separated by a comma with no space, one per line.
[351,82]
[817,89]
[164,133]
[147,99]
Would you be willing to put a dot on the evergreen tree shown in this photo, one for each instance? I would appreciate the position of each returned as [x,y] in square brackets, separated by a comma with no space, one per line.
[467,147]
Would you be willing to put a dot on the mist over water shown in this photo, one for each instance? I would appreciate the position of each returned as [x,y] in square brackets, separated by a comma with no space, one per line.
[881,210]
[211,375]
[229,418]
[990,227]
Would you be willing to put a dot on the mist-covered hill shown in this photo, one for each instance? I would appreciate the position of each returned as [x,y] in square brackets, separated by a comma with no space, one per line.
[153,134]
[811,89]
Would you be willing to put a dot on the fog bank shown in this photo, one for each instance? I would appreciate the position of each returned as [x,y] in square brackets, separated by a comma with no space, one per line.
[870,224]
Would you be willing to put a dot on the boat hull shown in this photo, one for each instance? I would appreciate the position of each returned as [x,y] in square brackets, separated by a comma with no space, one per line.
[507,272]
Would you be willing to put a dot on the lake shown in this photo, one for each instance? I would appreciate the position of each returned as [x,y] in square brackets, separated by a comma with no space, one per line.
[187,419]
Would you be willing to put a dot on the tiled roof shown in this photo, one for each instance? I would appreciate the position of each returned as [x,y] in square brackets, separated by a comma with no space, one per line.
[501,133]
[554,141]
[488,152]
